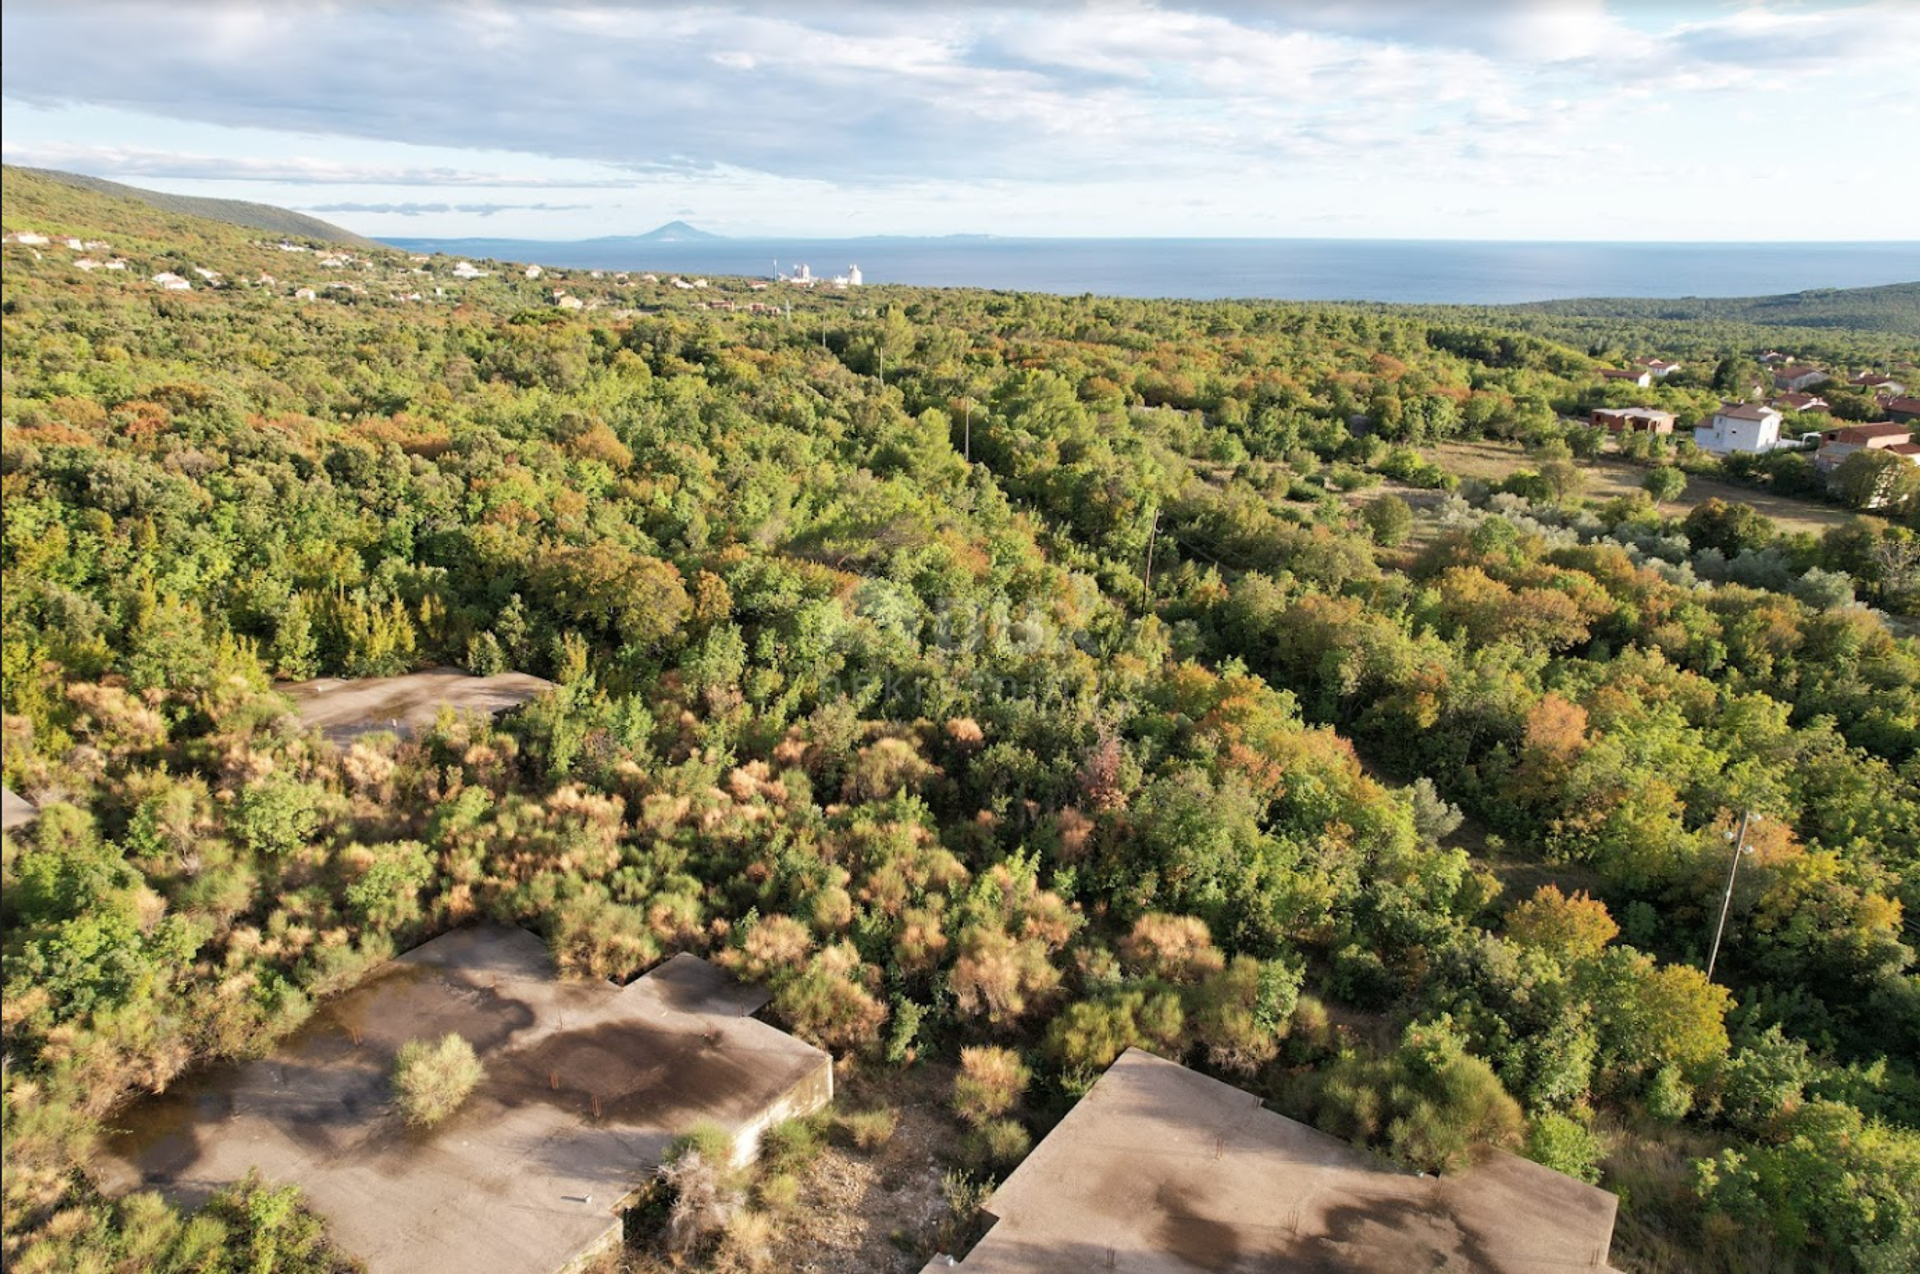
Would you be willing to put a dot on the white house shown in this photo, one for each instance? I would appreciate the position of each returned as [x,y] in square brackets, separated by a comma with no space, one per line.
[1878,383]
[30,238]
[1660,367]
[1799,376]
[1747,427]
[853,276]
[172,282]
[468,270]
[534,272]
[1641,378]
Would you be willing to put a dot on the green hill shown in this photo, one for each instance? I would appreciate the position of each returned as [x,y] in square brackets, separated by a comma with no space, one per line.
[1894,307]
[236,212]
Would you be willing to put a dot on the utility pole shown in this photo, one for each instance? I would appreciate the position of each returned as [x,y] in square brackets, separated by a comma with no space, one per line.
[1726,902]
[1153,533]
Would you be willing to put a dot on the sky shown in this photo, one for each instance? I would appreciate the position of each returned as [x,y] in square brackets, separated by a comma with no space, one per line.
[1410,119]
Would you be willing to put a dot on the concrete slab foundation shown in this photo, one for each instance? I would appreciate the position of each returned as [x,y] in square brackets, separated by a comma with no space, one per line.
[586,1085]
[1160,1169]
[345,710]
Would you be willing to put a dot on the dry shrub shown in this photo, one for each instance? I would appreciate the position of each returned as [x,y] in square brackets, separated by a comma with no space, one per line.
[884,767]
[595,937]
[1075,831]
[705,1199]
[965,732]
[990,1083]
[829,1005]
[1000,976]
[922,941]
[430,1081]
[870,1129]
[775,944]
[1178,948]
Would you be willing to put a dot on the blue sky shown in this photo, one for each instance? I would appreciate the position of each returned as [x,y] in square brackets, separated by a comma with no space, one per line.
[1554,119]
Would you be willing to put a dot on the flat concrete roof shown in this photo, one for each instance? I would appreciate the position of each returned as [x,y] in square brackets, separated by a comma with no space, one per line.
[586,1085]
[16,811]
[1161,1169]
[345,710]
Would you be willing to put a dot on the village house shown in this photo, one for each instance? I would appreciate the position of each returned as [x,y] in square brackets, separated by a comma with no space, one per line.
[1791,401]
[172,282]
[1799,376]
[1633,420]
[534,272]
[468,270]
[29,238]
[1878,383]
[1837,444]
[1744,427]
[1902,410]
[1772,358]
[86,263]
[1642,378]
[1659,367]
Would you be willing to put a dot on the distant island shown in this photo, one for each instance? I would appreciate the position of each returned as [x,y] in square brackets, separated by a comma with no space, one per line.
[673,232]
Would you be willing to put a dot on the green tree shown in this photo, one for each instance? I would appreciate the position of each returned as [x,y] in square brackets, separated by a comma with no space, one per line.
[1664,484]
[1390,519]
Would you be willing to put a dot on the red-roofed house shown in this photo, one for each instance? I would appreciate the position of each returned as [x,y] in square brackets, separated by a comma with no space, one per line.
[1878,383]
[1643,378]
[1660,367]
[1903,410]
[1633,420]
[1837,444]
[1800,402]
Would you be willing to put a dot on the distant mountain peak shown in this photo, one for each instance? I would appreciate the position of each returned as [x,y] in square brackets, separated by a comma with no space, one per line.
[676,232]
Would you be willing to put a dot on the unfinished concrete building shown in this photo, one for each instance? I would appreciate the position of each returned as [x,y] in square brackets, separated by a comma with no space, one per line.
[345,710]
[1161,1170]
[586,1084]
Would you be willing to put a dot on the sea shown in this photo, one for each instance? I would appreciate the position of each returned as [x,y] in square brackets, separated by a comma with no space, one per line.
[1405,271]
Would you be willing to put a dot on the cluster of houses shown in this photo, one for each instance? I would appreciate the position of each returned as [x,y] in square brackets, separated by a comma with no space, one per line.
[1756,428]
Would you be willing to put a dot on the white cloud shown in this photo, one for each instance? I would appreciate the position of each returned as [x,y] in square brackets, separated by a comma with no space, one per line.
[863,99]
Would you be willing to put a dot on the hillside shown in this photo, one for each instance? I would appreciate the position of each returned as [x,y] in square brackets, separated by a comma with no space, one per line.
[1001,681]
[234,212]
[1894,307]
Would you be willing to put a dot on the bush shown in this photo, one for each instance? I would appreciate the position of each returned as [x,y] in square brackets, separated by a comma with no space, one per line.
[430,1081]
[1668,1097]
[791,1144]
[997,1144]
[870,1129]
[1390,519]
[990,1082]
[1565,1144]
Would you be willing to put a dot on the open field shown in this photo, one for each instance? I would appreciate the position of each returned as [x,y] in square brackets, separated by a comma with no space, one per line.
[1607,478]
